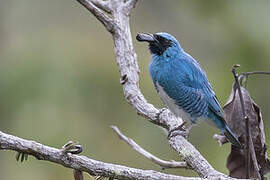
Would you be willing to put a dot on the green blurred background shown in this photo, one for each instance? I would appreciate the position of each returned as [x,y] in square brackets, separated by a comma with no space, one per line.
[59,80]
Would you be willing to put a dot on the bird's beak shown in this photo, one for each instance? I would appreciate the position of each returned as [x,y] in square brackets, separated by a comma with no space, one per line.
[145,37]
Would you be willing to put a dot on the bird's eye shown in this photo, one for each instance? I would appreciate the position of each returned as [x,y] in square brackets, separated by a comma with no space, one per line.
[167,42]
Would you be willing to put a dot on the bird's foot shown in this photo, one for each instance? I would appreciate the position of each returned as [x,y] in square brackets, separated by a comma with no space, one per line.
[180,130]
[20,156]
[72,148]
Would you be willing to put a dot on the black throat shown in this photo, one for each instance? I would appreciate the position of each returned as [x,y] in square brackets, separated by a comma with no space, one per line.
[160,45]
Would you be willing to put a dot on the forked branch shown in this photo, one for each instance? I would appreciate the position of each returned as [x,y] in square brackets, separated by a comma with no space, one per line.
[126,59]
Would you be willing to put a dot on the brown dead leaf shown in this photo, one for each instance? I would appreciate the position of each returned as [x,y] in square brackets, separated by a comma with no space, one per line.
[233,115]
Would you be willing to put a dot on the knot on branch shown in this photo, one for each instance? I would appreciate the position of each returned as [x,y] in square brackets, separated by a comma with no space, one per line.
[123,79]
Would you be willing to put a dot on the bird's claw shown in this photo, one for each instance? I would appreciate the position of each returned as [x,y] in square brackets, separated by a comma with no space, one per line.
[221,139]
[72,147]
[20,156]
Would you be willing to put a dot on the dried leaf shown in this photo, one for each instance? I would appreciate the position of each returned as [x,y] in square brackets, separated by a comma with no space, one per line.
[233,115]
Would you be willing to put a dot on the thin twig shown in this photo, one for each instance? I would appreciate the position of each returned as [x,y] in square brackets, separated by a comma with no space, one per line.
[245,118]
[249,146]
[247,74]
[255,72]
[154,159]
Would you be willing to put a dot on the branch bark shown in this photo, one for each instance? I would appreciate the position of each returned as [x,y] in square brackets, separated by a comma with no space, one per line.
[81,163]
[103,5]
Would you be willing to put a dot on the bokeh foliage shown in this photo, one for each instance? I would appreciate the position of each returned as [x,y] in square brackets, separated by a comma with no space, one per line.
[59,80]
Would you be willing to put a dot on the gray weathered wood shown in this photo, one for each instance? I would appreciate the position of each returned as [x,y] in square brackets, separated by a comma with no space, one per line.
[93,167]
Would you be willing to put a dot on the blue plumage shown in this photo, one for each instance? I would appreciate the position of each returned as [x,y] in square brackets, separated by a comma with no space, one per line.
[182,84]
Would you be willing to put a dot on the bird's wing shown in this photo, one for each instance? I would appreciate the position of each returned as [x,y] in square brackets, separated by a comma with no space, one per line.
[211,98]
[190,99]
[186,83]
[198,80]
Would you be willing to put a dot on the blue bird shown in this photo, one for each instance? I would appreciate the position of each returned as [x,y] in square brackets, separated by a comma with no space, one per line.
[182,84]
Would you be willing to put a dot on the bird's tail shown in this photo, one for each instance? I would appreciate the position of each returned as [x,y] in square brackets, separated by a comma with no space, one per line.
[231,137]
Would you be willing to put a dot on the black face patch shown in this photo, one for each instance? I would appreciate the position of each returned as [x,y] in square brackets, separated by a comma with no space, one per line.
[160,45]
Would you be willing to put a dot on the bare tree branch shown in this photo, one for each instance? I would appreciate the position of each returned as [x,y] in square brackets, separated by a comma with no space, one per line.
[154,159]
[103,5]
[80,163]
[126,59]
